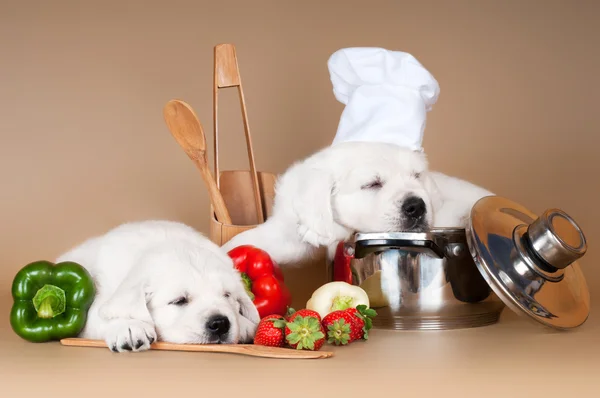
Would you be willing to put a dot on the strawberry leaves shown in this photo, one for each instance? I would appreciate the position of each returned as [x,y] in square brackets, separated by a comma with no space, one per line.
[338,332]
[367,315]
[278,323]
[304,332]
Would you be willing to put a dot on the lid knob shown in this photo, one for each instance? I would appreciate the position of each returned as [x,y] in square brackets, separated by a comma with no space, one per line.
[557,239]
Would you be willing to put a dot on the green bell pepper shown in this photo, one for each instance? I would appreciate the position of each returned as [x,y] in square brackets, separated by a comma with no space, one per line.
[51,301]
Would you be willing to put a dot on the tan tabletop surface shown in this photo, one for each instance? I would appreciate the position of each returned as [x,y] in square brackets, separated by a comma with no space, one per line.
[513,358]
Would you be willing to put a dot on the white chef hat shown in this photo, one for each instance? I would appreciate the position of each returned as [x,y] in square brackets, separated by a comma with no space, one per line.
[387,96]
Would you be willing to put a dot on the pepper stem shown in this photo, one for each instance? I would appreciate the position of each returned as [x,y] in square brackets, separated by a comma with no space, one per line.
[49,301]
[248,285]
[341,303]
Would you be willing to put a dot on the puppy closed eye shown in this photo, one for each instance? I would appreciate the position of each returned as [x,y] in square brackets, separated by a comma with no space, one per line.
[416,175]
[179,301]
[375,184]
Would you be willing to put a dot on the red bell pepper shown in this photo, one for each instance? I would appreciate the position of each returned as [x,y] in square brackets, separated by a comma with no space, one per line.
[263,279]
[342,272]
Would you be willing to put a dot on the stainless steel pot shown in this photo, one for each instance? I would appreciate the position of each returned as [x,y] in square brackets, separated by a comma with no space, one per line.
[457,278]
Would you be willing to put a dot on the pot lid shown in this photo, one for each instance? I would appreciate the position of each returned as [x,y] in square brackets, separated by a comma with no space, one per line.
[530,261]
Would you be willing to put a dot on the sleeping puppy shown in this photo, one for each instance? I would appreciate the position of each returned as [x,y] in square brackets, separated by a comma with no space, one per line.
[162,280]
[357,187]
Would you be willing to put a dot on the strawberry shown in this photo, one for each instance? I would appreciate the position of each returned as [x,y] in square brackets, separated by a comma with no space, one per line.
[362,321]
[292,314]
[305,333]
[339,326]
[270,331]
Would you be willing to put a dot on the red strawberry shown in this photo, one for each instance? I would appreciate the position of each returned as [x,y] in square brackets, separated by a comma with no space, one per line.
[305,333]
[292,314]
[362,317]
[270,331]
[340,327]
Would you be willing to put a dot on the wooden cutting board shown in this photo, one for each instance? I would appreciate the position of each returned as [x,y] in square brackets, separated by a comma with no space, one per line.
[241,349]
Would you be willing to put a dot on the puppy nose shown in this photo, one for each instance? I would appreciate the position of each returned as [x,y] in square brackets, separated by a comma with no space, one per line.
[413,207]
[218,325]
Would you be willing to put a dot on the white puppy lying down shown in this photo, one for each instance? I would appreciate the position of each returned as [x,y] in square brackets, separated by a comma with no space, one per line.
[162,280]
[357,187]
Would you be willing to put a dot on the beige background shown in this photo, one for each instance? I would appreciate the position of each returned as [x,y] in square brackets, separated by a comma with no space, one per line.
[83,145]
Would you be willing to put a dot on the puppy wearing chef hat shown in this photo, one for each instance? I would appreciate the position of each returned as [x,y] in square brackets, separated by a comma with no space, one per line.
[374,177]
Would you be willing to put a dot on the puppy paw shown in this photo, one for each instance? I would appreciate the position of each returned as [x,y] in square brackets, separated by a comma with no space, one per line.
[130,336]
[311,237]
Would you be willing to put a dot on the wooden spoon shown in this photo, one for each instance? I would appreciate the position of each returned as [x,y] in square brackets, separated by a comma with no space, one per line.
[242,349]
[187,131]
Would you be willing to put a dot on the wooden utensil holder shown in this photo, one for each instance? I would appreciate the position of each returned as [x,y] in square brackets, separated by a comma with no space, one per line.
[241,189]
[238,194]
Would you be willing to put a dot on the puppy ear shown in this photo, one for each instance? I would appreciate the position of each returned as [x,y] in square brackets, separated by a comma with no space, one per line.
[247,308]
[433,191]
[129,301]
[307,191]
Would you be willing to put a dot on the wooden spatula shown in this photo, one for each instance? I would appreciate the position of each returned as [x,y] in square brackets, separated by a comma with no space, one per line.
[187,131]
[241,349]
[227,74]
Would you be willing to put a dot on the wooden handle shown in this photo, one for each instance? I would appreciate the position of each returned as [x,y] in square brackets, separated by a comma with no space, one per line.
[227,74]
[217,200]
[189,134]
[241,349]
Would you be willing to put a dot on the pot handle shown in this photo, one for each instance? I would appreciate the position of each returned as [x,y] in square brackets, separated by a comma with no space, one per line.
[367,245]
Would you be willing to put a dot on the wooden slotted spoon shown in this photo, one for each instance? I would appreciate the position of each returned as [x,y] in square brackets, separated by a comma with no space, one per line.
[187,131]
[241,349]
